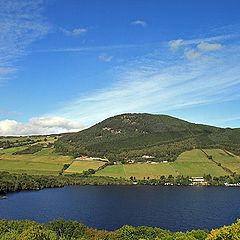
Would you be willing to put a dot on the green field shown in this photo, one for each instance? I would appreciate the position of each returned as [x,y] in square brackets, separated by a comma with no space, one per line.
[192,163]
[227,159]
[195,163]
[45,162]
[138,170]
[78,166]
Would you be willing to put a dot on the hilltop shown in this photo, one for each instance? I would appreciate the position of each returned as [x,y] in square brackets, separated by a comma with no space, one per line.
[163,137]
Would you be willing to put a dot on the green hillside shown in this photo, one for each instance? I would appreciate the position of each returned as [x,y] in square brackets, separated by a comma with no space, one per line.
[131,136]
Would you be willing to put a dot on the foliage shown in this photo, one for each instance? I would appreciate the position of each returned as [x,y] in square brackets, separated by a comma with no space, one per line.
[31,149]
[72,230]
[17,182]
[226,233]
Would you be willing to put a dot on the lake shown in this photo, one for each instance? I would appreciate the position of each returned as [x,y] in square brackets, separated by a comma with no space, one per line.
[109,207]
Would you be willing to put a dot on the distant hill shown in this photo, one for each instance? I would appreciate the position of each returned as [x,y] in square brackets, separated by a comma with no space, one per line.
[129,136]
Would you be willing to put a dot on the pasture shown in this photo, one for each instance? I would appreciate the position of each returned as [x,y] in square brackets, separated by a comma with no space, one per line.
[44,162]
[195,163]
[78,166]
[138,170]
[226,159]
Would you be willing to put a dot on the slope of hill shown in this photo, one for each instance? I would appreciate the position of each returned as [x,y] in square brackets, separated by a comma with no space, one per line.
[130,136]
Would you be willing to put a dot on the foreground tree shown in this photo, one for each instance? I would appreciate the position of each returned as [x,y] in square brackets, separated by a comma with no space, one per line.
[226,233]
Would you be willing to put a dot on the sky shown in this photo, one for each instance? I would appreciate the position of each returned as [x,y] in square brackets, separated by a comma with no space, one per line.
[68,64]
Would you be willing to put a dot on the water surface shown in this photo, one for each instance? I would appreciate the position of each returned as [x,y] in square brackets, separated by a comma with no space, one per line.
[110,207]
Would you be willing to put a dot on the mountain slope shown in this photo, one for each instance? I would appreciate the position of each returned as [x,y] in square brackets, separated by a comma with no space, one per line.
[129,136]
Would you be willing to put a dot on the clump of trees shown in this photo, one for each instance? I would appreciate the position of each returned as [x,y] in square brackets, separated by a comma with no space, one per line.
[5,143]
[30,149]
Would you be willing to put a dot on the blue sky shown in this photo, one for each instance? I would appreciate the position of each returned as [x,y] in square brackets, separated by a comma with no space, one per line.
[68,64]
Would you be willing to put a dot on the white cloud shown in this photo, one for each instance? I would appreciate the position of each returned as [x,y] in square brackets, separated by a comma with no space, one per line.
[55,122]
[194,42]
[196,47]
[191,54]
[175,44]
[74,32]
[105,58]
[139,23]
[42,125]
[205,46]
[7,126]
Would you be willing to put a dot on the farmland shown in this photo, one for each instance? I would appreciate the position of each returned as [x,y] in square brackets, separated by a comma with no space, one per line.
[138,170]
[195,163]
[190,163]
[226,159]
[78,166]
[44,162]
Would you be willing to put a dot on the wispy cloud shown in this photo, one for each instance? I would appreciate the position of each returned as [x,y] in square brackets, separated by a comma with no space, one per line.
[191,54]
[92,48]
[195,48]
[162,81]
[74,32]
[205,46]
[6,70]
[105,58]
[139,23]
[175,44]
[21,23]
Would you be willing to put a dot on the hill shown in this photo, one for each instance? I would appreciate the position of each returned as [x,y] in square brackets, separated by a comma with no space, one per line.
[141,136]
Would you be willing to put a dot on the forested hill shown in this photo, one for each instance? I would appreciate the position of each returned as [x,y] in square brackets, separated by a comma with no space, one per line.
[163,137]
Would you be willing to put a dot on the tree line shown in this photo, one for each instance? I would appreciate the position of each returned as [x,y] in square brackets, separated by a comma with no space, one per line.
[73,230]
[16,182]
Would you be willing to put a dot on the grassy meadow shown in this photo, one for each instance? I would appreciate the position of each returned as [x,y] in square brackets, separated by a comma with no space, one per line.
[226,159]
[138,170]
[78,166]
[195,163]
